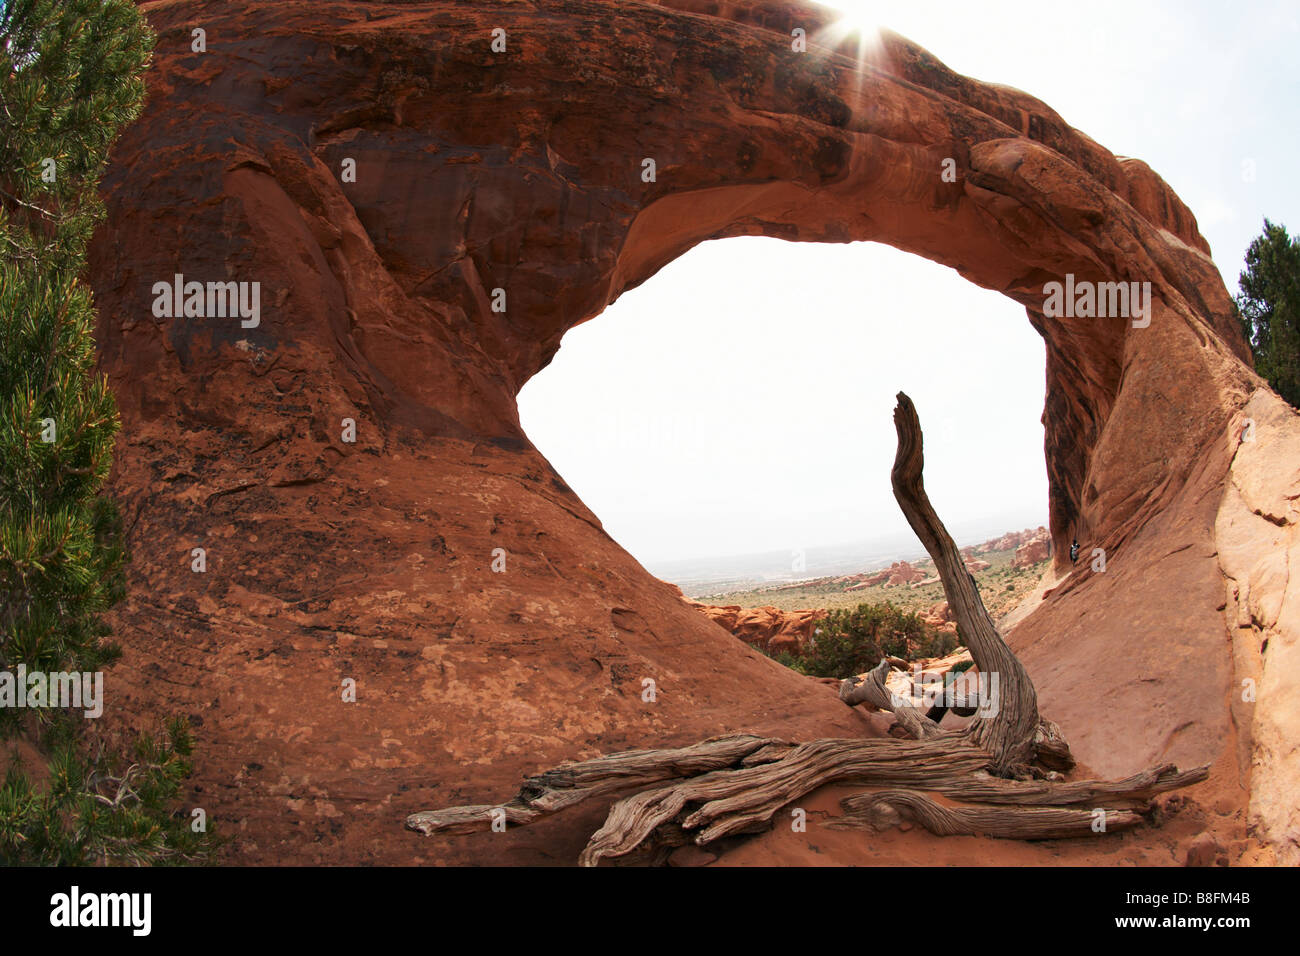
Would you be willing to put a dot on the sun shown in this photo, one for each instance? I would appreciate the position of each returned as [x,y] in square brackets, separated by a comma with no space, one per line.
[860,19]
[855,16]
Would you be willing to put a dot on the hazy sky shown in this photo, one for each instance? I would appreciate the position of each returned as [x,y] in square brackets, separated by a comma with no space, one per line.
[740,401]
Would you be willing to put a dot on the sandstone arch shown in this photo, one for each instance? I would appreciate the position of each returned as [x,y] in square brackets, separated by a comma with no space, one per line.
[479,171]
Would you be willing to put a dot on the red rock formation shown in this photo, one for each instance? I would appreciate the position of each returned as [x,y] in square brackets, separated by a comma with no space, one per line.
[940,611]
[767,628]
[939,617]
[1012,540]
[905,574]
[1033,551]
[870,582]
[491,624]
[896,575]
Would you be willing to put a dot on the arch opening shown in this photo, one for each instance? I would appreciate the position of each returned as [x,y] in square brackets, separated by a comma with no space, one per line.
[733,415]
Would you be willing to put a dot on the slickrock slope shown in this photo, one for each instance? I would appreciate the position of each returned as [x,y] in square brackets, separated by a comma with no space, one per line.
[522,171]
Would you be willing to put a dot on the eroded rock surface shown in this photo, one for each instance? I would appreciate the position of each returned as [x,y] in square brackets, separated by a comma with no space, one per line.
[767,628]
[1033,551]
[522,171]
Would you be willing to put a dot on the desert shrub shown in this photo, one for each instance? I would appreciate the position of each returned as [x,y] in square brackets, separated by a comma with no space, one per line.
[853,640]
[787,659]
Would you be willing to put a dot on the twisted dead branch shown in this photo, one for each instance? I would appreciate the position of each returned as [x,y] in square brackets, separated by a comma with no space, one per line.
[1008,756]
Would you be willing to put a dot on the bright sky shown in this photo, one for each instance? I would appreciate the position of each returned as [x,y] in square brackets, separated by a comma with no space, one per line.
[740,401]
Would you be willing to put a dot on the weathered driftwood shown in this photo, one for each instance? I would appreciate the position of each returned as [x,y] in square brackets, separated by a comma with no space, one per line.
[1131,792]
[731,785]
[871,689]
[1009,731]
[603,776]
[888,807]
[724,803]
[471,818]
[769,753]
[1030,809]
[956,694]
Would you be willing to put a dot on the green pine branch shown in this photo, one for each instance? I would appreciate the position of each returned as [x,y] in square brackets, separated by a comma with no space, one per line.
[71,79]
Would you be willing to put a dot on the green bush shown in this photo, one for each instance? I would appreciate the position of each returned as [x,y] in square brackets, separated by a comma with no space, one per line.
[789,660]
[853,640]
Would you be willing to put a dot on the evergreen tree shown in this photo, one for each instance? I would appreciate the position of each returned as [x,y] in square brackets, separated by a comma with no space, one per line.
[1269,306]
[71,78]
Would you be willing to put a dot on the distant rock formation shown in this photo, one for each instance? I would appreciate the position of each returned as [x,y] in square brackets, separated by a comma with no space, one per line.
[767,628]
[1011,540]
[1034,551]
[897,574]
[939,616]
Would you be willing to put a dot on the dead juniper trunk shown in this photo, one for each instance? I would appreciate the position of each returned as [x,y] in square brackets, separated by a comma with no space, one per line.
[1007,724]
[1009,756]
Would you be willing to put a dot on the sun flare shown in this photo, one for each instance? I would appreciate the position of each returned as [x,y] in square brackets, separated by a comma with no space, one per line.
[860,19]
[855,15]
